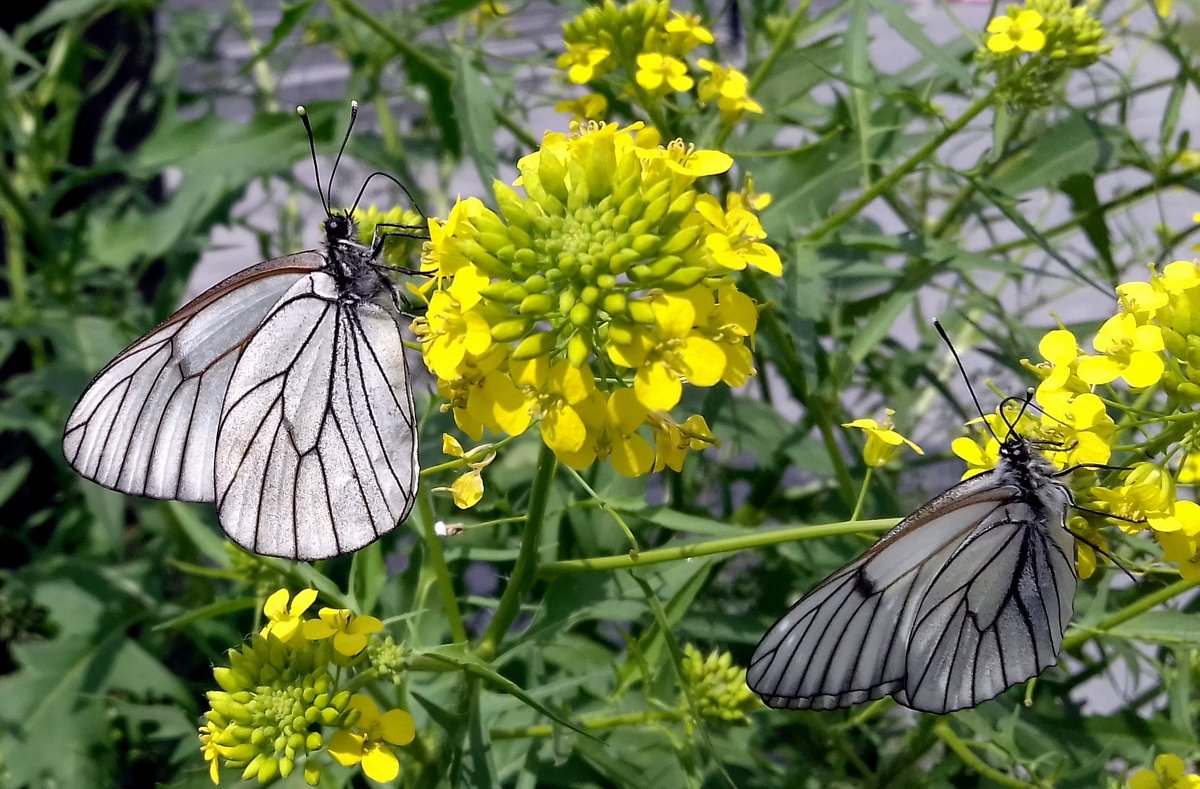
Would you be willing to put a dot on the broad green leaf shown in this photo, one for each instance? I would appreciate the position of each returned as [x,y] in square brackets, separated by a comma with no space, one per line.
[1173,628]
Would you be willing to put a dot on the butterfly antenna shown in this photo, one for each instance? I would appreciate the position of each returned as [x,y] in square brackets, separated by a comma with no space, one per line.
[346,139]
[312,149]
[946,339]
[394,180]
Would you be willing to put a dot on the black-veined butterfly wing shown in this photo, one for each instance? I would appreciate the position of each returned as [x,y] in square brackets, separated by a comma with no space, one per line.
[995,614]
[147,423]
[847,640]
[317,448]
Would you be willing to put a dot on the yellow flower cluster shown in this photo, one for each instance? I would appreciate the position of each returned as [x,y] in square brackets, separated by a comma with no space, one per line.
[1031,47]
[647,45]
[1152,347]
[280,690]
[586,303]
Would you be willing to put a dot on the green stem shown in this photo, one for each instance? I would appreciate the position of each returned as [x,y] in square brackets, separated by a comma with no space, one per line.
[1081,636]
[862,493]
[590,724]
[410,50]
[710,547]
[441,570]
[906,167]
[963,751]
[525,568]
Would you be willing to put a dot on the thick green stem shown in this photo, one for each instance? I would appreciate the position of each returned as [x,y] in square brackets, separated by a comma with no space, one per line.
[590,724]
[525,569]
[968,757]
[757,539]
[441,570]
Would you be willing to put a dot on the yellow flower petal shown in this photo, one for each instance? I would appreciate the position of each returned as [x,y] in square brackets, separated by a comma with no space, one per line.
[303,599]
[1028,19]
[380,764]
[1000,24]
[1145,369]
[1095,370]
[346,747]
[1058,347]
[451,446]
[467,490]
[657,387]
[563,430]
[704,361]
[397,727]
[276,605]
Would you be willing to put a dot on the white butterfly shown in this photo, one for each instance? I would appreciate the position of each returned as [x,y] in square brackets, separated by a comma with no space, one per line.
[281,395]
[963,599]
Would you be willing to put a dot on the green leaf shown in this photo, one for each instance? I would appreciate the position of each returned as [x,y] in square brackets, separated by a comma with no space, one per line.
[1077,145]
[293,14]
[368,574]
[1173,628]
[476,117]
[1081,188]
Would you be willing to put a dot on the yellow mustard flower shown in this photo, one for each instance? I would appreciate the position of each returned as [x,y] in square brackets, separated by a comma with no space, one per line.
[660,73]
[589,107]
[467,489]
[982,453]
[606,263]
[581,62]
[1017,29]
[1146,498]
[729,88]
[1169,773]
[347,630]
[883,442]
[1182,549]
[1081,426]
[672,441]
[685,32]
[370,739]
[285,619]
[1129,351]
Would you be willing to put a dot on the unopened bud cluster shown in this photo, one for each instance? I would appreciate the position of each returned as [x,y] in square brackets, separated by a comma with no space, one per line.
[717,685]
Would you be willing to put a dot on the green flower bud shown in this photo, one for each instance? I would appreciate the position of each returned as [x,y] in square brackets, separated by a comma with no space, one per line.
[509,330]
[684,278]
[614,303]
[578,349]
[640,312]
[536,283]
[312,773]
[681,241]
[580,315]
[536,304]
[534,345]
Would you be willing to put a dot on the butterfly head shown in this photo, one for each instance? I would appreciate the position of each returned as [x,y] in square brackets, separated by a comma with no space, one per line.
[339,227]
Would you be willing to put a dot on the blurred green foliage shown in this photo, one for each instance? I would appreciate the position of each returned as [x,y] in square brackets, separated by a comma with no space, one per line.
[113,609]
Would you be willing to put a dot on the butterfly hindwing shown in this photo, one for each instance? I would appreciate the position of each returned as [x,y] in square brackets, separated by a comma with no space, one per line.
[317,451]
[147,423]
[995,614]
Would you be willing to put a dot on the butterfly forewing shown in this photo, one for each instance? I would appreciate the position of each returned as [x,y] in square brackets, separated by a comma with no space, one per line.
[147,424]
[321,400]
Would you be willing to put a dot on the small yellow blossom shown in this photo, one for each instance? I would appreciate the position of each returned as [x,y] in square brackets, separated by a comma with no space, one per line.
[581,62]
[729,88]
[1018,29]
[348,631]
[589,107]
[211,751]
[672,441]
[883,442]
[1129,351]
[685,33]
[284,620]
[660,73]
[1146,498]
[1169,773]
[371,744]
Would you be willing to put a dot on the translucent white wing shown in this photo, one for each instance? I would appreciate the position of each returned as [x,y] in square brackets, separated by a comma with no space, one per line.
[316,454]
[995,613]
[147,424]
[848,640]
